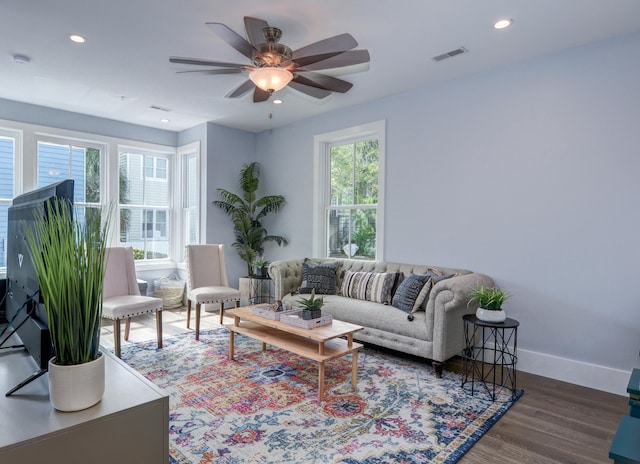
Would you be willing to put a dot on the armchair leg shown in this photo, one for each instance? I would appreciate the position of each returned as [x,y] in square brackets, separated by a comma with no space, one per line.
[116,337]
[197,321]
[159,327]
[221,312]
[188,312]
[127,327]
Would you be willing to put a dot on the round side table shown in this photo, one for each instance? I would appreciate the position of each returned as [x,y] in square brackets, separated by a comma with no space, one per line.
[490,356]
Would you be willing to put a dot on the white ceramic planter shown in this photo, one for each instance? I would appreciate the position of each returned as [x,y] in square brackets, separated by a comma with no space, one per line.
[488,315]
[72,388]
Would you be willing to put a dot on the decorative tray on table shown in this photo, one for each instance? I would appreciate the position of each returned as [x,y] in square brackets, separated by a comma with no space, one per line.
[294,317]
[270,311]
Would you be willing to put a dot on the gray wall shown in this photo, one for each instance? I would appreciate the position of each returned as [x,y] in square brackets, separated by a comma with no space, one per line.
[41,115]
[528,173]
[227,151]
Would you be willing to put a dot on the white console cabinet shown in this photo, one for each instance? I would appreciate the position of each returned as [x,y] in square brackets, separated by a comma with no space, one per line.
[129,425]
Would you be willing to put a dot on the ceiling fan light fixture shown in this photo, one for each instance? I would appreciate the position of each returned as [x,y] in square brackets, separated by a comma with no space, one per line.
[270,79]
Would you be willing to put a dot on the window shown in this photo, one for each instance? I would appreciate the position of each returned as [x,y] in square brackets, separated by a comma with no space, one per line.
[144,203]
[58,160]
[349,193]
[155,168]
[190,198]
[7,189]
[156,188]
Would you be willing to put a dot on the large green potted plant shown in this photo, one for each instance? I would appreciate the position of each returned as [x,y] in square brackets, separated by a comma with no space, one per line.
[490,301]
[68,256]
[247,211]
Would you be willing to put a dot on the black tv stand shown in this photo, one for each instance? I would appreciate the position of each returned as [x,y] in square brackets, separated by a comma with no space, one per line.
[26,381]
[33,376]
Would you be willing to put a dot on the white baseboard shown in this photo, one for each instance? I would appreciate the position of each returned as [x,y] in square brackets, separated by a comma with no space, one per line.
[576,372]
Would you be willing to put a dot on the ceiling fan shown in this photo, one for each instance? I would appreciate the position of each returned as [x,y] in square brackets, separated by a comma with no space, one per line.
[275,66]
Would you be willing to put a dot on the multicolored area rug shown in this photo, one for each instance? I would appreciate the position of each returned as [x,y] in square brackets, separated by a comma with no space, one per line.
[263,406]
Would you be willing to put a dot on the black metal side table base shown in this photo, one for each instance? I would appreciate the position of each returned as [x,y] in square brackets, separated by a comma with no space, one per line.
[261,289]
[490,356]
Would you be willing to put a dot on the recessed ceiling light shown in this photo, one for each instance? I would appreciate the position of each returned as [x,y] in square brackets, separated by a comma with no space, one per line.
[501,24]
[164,120]
[77,38]
[277,102]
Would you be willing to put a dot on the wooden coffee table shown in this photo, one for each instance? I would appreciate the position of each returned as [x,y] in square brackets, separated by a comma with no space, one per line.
[319,344]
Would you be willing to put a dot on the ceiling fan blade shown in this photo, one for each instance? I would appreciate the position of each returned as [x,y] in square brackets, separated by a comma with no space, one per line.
[254,27]
[199,62]
[323,81]
[311,91]
[213,71]
[323,49]
[233,39]
[348,58]
[241,90]
[260,95]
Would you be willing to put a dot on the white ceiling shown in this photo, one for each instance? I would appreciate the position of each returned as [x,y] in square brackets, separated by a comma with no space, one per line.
[123,68]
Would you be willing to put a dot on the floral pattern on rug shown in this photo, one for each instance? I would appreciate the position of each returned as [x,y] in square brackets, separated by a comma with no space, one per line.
[262,407]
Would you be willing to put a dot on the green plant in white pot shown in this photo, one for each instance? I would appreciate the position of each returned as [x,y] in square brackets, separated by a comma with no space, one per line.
[69,259]
[490,301]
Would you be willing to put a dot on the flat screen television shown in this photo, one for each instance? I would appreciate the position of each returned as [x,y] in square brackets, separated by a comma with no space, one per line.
[25,311]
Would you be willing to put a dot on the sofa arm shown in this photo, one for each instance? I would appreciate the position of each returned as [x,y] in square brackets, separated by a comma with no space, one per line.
[448,302]
[286,276]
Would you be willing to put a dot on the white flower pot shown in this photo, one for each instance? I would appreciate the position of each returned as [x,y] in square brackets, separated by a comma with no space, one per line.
[488,315]
[72,388]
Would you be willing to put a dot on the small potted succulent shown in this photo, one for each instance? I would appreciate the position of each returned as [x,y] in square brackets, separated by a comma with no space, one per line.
[260,266]
[490,301]
[311,307]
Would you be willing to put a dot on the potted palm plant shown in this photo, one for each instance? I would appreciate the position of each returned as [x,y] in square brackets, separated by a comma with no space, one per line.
[312,306]
[68,256]
[490,301]
[247,211]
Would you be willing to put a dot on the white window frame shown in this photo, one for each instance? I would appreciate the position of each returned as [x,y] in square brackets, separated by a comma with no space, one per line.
[154,151]
[184,153]
[80,143]
[17,136]
[321,178]
[25,171]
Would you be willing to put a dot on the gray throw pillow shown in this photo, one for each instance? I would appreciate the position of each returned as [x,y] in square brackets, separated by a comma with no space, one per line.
[319,277]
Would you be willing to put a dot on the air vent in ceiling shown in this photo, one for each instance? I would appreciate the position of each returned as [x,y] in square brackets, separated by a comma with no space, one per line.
[451,54]
[159,108]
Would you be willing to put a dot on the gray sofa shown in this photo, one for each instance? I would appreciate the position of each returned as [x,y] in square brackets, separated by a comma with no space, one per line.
[434,331]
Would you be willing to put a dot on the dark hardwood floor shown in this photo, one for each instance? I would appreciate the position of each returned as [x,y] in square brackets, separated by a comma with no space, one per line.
[553,423]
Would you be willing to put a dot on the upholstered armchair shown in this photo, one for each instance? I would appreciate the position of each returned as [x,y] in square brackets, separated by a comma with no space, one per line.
[121,298]
[207,280]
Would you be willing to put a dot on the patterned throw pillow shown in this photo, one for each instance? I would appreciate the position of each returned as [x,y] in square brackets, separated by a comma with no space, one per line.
[370,286]
[423,296]
[409,290]
[319,277]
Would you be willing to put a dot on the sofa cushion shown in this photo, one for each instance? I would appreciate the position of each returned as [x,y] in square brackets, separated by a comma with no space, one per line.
[372,315]
[370,286]
[319,277]
[409,290]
